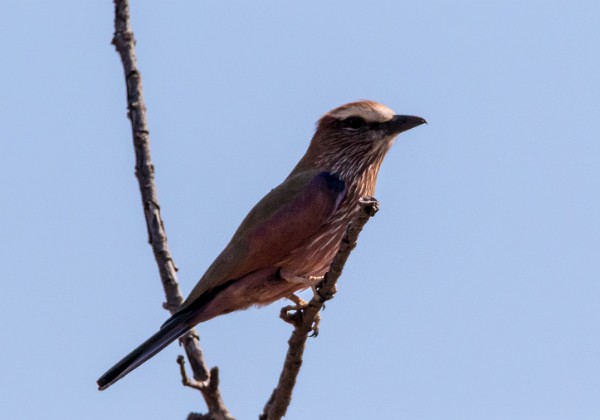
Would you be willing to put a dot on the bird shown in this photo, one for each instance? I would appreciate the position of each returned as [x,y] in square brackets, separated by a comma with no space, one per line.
[288,239]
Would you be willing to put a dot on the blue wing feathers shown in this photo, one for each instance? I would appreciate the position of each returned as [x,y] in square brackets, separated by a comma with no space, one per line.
[332,182]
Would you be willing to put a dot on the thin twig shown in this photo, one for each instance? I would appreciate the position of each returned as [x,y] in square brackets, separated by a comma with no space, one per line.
[124,42]
[185,380]
[304,319]
[211,385]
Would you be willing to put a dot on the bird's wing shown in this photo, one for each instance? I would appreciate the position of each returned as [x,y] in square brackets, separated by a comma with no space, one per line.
[278,224]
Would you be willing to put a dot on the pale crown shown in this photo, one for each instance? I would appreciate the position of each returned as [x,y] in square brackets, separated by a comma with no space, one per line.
[370,111]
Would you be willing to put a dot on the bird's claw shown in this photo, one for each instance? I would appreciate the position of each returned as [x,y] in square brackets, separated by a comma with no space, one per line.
[324,297]
[292,314]
[294,318]
[315,326]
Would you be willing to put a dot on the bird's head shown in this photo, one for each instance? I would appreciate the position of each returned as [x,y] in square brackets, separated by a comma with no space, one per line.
[355,137]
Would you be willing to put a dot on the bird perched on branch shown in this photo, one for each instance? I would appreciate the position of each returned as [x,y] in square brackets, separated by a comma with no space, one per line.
[288,240]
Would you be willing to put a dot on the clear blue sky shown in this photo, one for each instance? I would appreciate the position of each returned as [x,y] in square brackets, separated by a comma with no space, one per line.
[472,295]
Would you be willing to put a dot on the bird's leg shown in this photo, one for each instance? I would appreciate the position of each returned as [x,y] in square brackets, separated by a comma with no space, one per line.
[309,281]
[296,318]
[312,281]
[300,303]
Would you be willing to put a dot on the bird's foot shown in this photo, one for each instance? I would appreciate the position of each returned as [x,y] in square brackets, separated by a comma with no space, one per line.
[293,314]
[324,297]
[300,303]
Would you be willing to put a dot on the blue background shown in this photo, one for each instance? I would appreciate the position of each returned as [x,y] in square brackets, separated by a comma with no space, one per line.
[472,295]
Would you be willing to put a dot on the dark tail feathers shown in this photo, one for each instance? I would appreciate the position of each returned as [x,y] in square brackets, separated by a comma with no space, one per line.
[171,330]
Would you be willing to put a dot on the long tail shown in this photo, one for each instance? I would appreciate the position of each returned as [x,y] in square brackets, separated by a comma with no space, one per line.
[171,330]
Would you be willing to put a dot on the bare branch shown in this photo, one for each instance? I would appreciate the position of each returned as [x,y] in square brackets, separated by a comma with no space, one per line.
[305,317]
[124,42]
[211,386]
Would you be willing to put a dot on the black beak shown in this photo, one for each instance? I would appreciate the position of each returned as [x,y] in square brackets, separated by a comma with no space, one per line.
[400,123]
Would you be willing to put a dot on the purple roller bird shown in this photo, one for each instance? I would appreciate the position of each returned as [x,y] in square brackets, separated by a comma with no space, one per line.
[288,240]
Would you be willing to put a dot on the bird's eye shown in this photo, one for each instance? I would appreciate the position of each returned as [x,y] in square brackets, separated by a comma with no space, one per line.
[354,123]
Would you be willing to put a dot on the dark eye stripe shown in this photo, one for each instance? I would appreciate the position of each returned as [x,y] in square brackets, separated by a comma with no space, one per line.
[354,123]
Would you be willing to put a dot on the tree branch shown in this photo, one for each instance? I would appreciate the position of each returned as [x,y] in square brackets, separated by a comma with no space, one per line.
[124,42]
[305,318]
